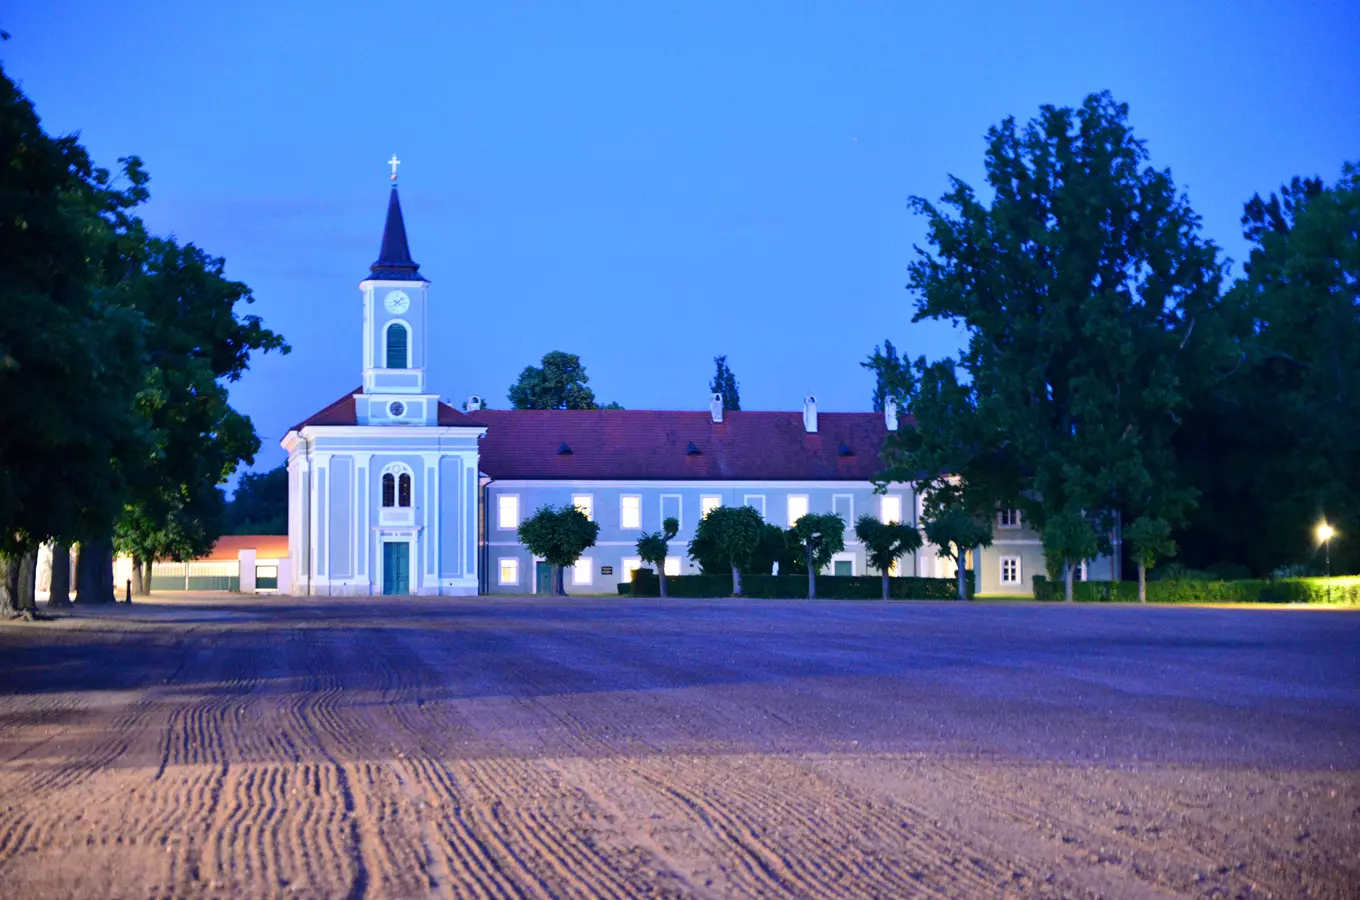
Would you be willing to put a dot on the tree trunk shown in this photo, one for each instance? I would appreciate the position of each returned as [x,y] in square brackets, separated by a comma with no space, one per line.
[736,582]
[26,596]
[94,572]
[1067,578]
[1142,583]
[812,577]
[661,577]
[885,584]
[146,578]
[59,594]
[560,577]
[138,579]
[9,586]
[963,574]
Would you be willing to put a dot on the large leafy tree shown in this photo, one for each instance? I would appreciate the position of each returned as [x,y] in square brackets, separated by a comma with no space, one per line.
[1088,299]
[885,543]
[954,529]
[260,503]
[725,383]
[558,535]
[560,382]
[198,343]
[892,375]
[820,537]
[654,546]
[732,532]
[1278,443]
[71,352]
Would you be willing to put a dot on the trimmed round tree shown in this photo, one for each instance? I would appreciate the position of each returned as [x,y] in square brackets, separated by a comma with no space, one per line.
[955,531]
[1068,537]
[1150,540]
[821,536]
[654,546]
[732,532]
[885,543]
[559,535]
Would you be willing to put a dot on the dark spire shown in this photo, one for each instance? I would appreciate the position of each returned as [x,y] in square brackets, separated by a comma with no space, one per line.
[394,259]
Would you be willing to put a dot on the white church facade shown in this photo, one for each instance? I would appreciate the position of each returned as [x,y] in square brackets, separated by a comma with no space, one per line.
[391,491]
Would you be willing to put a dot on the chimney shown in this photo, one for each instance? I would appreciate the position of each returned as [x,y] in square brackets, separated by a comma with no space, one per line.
[810,414]
[715,406]
[890,413]
[474,403]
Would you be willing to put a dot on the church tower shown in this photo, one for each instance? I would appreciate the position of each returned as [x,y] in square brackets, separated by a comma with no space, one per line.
[396,333]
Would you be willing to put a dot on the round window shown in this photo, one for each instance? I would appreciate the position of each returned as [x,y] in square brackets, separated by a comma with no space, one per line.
[397,409]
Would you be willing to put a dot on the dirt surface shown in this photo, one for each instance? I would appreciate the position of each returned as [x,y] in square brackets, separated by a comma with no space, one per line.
[599,748]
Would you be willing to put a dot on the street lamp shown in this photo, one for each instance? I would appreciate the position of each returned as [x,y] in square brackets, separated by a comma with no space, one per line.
[1325,533]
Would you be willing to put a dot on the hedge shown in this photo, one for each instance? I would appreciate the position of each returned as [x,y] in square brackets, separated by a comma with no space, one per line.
[1247,590]
[776,587]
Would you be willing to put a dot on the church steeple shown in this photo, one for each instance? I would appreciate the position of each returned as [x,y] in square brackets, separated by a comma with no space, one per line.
[394,259]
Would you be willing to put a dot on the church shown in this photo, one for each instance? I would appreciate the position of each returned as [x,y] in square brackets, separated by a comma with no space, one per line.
[391,491]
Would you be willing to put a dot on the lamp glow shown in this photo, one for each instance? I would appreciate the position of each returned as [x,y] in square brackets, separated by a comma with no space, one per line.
[1325,533]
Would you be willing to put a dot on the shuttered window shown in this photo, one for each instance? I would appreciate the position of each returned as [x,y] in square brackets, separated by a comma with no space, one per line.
[396,346]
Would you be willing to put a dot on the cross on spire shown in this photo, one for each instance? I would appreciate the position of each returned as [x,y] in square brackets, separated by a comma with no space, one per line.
[394,162]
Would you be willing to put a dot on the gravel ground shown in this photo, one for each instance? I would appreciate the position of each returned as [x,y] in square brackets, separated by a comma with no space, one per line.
[613,748]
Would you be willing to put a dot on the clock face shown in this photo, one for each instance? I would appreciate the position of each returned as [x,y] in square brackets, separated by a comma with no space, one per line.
[397,302]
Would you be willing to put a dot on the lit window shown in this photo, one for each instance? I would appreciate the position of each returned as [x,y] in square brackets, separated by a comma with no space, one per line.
[1010,570]
[583,572]
[629,566]
[507,506]
[1009,517]
[798,507]
[891,509]
[756,502]
[708,504]
[630,511]
[403,489]
[585,503]
[509,571]
[895,569]
[396,346]
[672,565]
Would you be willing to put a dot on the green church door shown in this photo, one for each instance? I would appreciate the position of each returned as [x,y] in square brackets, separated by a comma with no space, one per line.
[543,574]
[396,568]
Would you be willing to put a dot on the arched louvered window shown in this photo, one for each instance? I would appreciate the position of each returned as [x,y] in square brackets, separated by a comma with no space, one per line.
[389,489]
[403,489]
[398,346]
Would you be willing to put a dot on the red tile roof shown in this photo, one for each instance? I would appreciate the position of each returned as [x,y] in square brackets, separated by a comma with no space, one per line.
[633,444]
[266,546]
[341,412]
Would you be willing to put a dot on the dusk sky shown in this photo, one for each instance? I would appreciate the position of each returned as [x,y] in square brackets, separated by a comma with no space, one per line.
[644,184]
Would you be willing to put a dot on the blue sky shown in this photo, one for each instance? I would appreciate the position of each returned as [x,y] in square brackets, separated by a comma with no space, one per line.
[645,184]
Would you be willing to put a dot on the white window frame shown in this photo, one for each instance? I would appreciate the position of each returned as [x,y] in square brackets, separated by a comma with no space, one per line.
[883,508]
[850,500]
[679,510]
[1082,573]
[588,507]
[1001,518]
[500,570]
[708,503]
[789,517]
[628,565]
[672,567]
[623,524]
[746,501]
[500,512]
[588,565]
[1019,577]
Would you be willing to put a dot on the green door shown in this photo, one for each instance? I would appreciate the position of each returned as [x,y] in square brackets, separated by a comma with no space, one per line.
[396,568]
[843,567]
[543,574]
